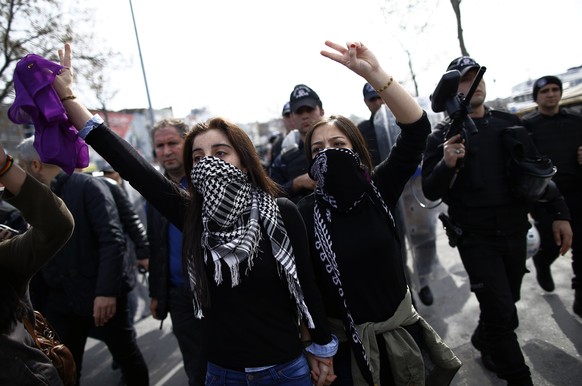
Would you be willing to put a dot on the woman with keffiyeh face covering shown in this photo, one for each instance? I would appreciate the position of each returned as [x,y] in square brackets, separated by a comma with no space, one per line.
[355,245]
[247,260]
[244,251]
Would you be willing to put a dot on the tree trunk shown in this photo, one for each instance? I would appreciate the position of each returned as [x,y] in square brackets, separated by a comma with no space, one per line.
[457,8]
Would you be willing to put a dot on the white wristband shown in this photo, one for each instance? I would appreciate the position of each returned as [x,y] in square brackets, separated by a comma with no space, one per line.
[92,123]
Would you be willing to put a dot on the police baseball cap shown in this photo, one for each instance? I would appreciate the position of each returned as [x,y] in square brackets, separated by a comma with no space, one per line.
[369,92]
[303,96]
[463,64]
[286,109]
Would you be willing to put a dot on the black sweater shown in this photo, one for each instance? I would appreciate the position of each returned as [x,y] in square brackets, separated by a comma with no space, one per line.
[366,244]
[255,323]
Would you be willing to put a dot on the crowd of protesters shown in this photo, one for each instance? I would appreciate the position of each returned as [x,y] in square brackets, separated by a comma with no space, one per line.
[289,269]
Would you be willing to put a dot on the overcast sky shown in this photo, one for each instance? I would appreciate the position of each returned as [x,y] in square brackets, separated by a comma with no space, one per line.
[242,58]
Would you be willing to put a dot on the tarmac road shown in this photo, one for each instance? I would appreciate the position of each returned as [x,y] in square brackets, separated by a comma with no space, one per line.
[550,333]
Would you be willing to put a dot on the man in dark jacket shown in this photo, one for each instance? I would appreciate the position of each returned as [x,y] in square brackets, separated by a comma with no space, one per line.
[493,222]
[290,168]
[86,285]
[557,133]
[137,244]
[377,138]
[169,290]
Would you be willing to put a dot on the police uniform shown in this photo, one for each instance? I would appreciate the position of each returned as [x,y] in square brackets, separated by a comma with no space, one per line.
[559,136]
[494,224]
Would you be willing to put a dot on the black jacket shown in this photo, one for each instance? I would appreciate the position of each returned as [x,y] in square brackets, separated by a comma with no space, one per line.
[480,199]
[135,233]
[91,262]
[286,167]
[368,131]
[559,137]
[159,276]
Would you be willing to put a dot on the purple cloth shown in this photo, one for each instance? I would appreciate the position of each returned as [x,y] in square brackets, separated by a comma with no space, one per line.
[36,102]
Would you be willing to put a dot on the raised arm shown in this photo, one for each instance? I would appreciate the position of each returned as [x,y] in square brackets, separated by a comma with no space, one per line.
[78,114]
[11,176]
[51,224]
[361,60]
[162,193]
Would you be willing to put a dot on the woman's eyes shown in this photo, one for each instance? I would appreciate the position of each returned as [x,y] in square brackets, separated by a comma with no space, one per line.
[336,145]
[315,150]
[218,154]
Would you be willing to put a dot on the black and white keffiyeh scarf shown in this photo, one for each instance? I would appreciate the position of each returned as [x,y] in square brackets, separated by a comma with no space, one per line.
[341,184]
[233,211]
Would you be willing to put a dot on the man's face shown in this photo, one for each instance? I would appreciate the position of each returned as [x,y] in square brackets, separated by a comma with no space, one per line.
[549,96]
[288,122]
[465,84]
[168,145]
[304,117]
[374,104]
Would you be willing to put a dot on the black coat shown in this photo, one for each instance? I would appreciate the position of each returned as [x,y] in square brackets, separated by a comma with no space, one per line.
[159,277]
[286,167]
[91,262]
[480,199]
[135,233]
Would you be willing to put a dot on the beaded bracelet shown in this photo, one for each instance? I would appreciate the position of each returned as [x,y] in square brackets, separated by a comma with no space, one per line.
[68,97]
[385,86]
[7,165]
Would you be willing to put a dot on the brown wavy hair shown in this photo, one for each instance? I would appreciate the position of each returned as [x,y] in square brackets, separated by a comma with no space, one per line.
[350,130]
[242,144]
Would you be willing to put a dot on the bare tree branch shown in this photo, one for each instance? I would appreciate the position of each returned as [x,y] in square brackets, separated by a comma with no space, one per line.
[457,9]
[40,27]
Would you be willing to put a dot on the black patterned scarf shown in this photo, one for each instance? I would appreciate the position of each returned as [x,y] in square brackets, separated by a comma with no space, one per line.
[233,211]
[342,182]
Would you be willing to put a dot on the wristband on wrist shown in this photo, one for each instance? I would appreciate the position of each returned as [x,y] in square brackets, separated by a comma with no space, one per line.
[7,165]
[385,86]
[325,351]
[92,123]
[68,97]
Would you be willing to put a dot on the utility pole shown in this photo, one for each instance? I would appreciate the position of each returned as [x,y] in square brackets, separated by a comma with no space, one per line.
[145,80]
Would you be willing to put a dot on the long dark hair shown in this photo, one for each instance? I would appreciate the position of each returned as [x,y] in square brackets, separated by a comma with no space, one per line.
[350,130]
[191,245]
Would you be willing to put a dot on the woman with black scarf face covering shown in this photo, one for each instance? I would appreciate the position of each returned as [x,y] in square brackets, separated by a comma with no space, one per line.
[383,341]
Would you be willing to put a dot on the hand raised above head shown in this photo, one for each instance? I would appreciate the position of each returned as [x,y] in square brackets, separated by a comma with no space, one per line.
[361,60]
[355,56]
[63,82]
